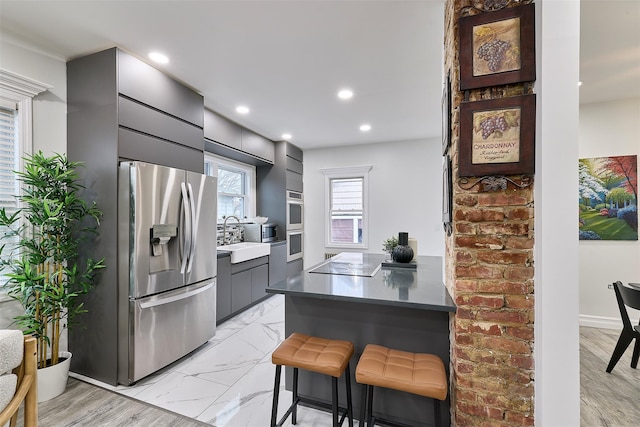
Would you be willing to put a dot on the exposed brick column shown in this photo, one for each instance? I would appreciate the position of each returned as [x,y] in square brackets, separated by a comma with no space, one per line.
[489,272]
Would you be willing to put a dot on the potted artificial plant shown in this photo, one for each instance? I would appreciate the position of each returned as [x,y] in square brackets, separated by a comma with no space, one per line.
[39,257]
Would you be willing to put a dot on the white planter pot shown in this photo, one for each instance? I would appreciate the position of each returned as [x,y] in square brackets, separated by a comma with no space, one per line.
[52,381]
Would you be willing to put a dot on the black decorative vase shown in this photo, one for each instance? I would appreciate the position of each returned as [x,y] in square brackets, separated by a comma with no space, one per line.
[403,252]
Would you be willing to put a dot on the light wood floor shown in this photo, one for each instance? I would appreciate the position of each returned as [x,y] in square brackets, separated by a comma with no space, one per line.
[611,400]
[85,405]
[607,400]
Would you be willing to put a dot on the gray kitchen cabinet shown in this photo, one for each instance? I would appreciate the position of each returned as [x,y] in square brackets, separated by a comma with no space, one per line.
[150,86]
[120,108]
[222,130]
[240,290]
[248,282]
[259,282]
[273,181]
[223,296]
[277,263]
[257,145]
[294,181]
[294,165]
[293,152]
[294,267]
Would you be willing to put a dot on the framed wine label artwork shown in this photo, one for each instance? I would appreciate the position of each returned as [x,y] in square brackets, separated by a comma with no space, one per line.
[497,136]
[497,48]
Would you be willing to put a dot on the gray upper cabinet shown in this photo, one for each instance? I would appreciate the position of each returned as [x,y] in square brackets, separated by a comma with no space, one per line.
[150,86]
[221,130]
[257,145]
[149,121]
[294,152]
[246,146]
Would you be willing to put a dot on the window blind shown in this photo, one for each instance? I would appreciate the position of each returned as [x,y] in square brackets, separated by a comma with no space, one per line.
[9,158]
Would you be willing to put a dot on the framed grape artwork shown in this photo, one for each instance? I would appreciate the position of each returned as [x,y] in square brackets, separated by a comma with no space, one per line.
[497,136]
[498,48]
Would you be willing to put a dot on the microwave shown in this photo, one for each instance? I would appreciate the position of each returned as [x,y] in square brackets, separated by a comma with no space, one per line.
[267,232]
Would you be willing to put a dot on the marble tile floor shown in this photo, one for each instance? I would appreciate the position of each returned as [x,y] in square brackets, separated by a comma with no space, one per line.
[228,382]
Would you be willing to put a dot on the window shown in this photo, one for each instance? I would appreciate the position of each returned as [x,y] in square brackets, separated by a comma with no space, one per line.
[346,207]
[15,134]
[236,186]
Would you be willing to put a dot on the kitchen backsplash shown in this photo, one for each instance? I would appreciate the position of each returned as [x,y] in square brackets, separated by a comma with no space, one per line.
[235,233]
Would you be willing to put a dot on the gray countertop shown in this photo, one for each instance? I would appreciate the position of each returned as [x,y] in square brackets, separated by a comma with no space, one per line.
[354,277]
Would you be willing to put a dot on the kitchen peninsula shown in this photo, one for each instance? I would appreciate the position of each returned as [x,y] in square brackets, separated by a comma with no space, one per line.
[352,296]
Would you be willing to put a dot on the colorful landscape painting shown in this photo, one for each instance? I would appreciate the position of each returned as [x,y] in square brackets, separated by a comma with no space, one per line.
[608,198]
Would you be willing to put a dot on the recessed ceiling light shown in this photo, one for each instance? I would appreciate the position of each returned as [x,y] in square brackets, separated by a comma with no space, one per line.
[286,136]
[345,94]
[158,57]
[579,83]
[365,127]
[242,109]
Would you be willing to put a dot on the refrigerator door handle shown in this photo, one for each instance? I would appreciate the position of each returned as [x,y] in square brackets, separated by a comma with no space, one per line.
[192,205]
[186,250]
[173,298]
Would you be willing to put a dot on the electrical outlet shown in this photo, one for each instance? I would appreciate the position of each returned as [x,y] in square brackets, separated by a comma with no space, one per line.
[610,286]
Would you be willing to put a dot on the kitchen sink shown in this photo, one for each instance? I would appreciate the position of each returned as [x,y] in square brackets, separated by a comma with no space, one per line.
[244,251]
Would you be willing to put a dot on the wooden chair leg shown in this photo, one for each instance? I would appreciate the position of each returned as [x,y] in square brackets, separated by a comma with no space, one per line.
[276,393]
[623,342]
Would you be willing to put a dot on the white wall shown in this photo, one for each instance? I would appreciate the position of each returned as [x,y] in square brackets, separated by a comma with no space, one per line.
[557,344]
[607,129]
[50,107]
[405,193]
[49,115]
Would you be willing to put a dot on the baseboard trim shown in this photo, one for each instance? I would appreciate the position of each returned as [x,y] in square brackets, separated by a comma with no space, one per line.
[600,322]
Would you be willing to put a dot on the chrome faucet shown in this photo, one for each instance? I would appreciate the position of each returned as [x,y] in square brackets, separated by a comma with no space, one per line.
[224,229]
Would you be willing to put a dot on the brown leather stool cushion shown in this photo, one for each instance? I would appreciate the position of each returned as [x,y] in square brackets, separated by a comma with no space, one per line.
[416,373]
[329,357]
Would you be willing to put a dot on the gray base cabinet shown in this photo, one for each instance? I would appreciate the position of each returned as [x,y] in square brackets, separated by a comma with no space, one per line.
[240,285]
[240,290]
[259,282]
[223,301]
[278,263]
[294,267]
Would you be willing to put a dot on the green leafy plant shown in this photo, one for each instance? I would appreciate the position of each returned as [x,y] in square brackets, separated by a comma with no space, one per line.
[389,244]
[39,252]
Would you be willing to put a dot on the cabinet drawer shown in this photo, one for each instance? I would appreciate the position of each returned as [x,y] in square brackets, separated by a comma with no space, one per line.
[294,181]
[294,165]
[246,265]
[153,122]
[136,146]
[293,151]
[150,86]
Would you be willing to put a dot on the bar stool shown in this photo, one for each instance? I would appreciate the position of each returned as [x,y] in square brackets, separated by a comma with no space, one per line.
[324,356]
[417,373]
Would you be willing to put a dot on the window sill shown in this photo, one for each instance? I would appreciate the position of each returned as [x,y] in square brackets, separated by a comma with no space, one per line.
[345,246]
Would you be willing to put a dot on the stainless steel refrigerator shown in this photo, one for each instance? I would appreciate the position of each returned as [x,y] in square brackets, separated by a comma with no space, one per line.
[166,266]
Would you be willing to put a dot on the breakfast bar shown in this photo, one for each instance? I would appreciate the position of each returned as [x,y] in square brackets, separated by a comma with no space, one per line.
[360,298]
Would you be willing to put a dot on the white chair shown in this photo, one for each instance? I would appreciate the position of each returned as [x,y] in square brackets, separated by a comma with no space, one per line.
[18,378]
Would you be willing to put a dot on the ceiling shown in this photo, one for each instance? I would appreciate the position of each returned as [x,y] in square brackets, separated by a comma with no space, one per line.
[286,60]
